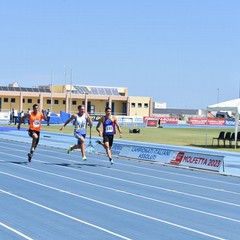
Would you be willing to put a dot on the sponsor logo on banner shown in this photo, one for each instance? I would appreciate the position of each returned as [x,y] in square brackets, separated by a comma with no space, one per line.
[138,119]
[129,119]
[230,122]
[177,158]
[209,121]
[169,120]
[95,118]
[216,121]
[166,120]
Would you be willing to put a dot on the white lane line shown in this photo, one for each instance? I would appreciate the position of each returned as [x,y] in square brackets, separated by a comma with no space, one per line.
[176,181]
[121,191]
[181,174]
[160,178]
[141,184]
[151,186]
[15,231]
[109,205]
[65,215]
[140,167]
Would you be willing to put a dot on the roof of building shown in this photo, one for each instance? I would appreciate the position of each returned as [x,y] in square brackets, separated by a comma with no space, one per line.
[96,90]
[24,89]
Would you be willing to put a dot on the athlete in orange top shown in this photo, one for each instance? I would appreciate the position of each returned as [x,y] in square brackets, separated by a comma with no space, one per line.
[35,121]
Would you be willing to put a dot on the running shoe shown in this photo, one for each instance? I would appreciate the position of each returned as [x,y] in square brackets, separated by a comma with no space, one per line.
[84,158]
[99,142]
[30,157]
[111,161]
[69,149]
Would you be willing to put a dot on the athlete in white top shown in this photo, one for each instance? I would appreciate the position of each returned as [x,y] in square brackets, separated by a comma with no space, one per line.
[80,129]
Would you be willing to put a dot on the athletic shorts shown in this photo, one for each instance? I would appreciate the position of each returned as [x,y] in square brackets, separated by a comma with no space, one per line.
[109,139]
[31,132]
[78,136]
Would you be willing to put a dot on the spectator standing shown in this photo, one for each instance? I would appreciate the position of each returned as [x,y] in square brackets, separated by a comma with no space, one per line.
[11,116]
[48,114]
[28,114]
[15,115]
[21,115]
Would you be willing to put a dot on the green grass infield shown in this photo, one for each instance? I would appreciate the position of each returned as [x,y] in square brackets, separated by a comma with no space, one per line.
[192,137]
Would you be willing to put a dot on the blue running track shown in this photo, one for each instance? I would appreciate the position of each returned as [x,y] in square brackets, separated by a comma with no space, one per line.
[59,196]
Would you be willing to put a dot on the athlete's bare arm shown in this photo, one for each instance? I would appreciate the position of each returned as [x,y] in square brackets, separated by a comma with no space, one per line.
[68,121]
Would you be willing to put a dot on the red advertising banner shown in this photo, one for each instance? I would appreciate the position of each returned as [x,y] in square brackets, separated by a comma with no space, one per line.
[166,120]
[209,121]
[151,122]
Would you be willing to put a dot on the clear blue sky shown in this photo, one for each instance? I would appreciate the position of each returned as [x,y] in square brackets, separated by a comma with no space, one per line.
[182,52]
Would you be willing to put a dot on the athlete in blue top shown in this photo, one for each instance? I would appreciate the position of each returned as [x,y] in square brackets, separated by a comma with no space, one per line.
[109,124]
[80,124]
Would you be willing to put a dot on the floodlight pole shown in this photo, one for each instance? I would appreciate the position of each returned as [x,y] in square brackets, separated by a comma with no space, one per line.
[65,75]
[70,92]
[51,108]
[239,90]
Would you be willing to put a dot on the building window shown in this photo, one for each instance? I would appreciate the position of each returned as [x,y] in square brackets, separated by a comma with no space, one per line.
[5,100]
[74,102]
[29,100]
[55,101]
[92,110]
[12,100]
[139,105]
[133,105]
[146,105]
[23,100]
[48,101]
[64,102]
[38,101]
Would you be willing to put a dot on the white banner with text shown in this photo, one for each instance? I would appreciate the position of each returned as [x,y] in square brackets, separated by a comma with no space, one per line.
[198,160]
[182,158]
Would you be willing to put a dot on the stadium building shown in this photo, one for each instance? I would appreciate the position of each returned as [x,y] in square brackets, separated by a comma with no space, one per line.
[67,97]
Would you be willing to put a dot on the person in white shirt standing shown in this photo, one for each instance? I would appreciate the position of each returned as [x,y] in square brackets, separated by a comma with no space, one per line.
[48,114]
[80,129]
[15,115]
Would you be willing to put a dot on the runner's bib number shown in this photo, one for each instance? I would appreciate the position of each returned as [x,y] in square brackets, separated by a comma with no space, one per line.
[36,123]
[83,125]
[109,129]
